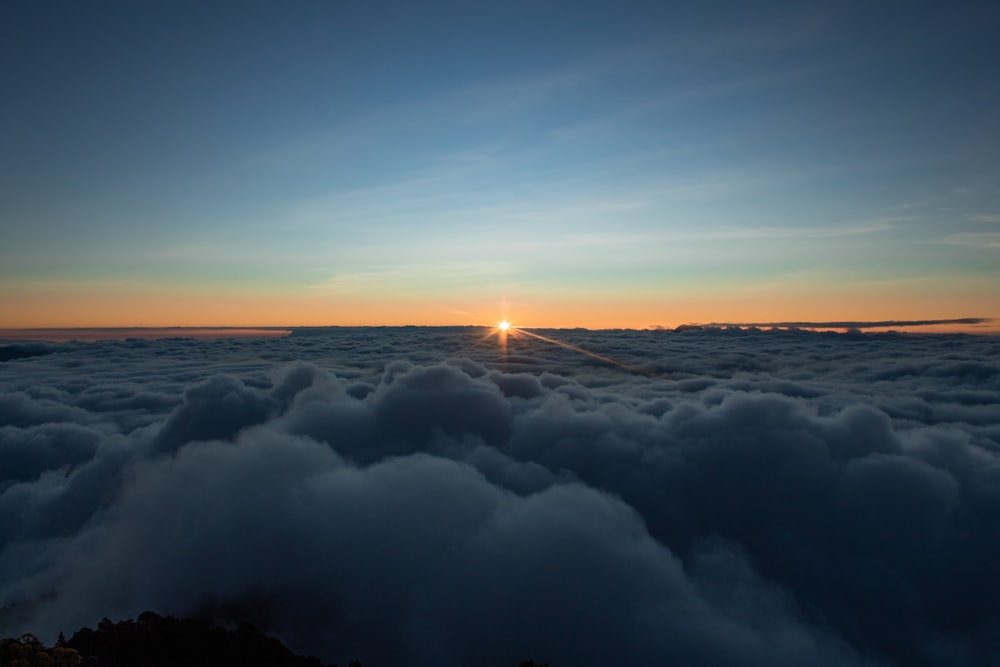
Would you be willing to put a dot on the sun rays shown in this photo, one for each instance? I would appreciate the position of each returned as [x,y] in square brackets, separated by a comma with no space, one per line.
[589,353]
[501,330]
[504,329]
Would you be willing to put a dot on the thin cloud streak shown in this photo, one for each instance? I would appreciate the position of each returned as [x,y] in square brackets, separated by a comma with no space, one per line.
[878,324]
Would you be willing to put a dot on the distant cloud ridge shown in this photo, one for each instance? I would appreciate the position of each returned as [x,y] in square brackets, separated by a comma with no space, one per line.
[862,324]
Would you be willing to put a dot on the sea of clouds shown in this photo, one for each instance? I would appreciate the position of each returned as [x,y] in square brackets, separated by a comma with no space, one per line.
[411,496]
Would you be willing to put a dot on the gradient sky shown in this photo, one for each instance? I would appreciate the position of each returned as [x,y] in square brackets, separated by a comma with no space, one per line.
[563,164]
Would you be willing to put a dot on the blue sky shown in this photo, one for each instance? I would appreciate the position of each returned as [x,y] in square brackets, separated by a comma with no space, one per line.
[525,153]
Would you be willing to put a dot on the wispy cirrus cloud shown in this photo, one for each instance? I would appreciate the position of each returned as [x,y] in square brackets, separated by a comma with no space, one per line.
[806,231]
[983,240]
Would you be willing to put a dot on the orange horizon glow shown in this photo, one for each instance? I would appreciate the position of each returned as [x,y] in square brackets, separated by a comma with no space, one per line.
[28,310]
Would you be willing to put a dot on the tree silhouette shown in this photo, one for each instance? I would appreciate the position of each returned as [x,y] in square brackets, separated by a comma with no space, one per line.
[157,641]
[28,651]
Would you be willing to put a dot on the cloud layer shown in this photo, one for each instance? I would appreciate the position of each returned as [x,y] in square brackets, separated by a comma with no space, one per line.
[418,496]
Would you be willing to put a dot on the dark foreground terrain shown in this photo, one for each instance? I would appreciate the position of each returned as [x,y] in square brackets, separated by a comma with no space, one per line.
[157,641]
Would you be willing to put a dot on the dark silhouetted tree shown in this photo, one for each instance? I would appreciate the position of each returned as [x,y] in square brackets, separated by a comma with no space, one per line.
[156,641]
[28,651]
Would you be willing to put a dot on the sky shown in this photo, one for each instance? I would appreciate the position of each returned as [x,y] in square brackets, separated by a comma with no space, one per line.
[428,496]
[626,164]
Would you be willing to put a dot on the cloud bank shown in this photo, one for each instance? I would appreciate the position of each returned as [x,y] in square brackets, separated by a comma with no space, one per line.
[860,324]
[418,496]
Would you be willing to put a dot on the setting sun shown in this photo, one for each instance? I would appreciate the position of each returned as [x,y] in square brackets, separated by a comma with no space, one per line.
[503,325]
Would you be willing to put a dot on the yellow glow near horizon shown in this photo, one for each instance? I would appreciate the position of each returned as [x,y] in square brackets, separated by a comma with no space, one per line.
[35,307]
[503,325]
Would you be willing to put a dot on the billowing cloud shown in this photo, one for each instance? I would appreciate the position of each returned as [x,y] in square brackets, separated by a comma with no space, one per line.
[420,497]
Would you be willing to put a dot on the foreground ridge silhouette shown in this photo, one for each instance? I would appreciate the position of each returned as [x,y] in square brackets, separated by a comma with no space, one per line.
[161,641]
[156,641]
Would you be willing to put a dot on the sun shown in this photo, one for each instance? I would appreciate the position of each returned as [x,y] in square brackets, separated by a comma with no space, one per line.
[503,325]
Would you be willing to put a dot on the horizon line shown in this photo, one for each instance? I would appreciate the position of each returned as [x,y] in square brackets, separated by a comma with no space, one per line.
[42,334]
[783,324]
